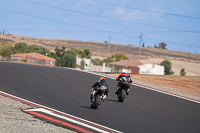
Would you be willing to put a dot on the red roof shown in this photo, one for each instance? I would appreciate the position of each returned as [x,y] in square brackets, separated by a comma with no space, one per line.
[34,55]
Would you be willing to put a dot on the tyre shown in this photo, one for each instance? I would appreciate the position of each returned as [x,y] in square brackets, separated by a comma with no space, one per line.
[121,95]
[95,104]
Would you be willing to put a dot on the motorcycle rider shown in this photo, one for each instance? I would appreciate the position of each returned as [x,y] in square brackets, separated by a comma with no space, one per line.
[102,83]
[121,78]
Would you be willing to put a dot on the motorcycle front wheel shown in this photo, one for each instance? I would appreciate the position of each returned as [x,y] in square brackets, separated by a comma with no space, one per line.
[96,102]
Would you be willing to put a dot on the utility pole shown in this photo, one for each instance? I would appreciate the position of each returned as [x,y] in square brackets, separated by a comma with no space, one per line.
[114,58]
[109,46]
[140,46]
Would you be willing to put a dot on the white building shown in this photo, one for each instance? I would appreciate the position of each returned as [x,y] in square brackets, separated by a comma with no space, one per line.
[87,62]
[100,68]
[78,60]
[151,69]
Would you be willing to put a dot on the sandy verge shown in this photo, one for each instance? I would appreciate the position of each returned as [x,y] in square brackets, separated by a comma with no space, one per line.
[181,85]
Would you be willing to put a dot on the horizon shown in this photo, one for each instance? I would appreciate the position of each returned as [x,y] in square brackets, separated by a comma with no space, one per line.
[175,23]
[91,42]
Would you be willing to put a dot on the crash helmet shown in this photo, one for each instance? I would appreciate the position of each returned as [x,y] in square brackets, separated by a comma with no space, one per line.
[102,81]
[124,71]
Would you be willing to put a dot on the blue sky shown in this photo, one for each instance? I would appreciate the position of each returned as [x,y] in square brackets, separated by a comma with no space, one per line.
[177,23]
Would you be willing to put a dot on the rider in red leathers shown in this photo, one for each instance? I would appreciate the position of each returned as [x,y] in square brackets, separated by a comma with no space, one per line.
[123,77]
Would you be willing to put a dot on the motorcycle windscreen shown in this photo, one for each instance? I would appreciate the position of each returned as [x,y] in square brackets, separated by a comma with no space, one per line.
[103,82]
[126,79]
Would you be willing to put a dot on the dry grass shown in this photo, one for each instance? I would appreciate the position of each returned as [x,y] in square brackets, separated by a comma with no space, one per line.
[189,86]
[192,69]
[189,61]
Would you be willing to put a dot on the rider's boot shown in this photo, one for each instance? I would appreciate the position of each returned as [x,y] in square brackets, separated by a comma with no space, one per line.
[127,92]
[117,90]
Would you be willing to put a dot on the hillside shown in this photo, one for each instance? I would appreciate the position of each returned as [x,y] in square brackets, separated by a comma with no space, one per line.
[100,50]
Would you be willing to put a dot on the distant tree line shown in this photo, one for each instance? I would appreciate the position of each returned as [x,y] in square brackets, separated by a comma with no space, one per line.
[6,49]
[63,58]
[114,57]
[161,45]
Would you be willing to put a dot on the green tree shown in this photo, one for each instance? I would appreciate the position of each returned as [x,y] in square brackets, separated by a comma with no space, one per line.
[69,59]
[5,49]
[108,60]
[45,51]
[162,45]
[182,72]
[58,60]
[97,62]
[20,48]
[105,42]
[119,56]
[3,45]
[155,46]
[34,48]
[63,49]
[143,45]
[78,51]
[87,53]
[38,49]
[58,51]
[167,66]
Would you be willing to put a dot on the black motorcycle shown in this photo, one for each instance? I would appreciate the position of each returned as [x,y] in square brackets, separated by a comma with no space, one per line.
[123,90]
[97,96]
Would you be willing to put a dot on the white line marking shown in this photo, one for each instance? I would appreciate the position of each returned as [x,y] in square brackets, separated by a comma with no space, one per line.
[68,119]
[168,93]
[60,112]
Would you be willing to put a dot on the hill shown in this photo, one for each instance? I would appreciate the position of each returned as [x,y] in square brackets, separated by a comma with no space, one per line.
[100,50]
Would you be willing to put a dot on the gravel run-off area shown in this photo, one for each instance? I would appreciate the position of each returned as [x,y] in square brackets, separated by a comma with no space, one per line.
[14,120]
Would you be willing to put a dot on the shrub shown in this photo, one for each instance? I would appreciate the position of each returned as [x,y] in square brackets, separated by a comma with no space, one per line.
[167,66]
[182,72]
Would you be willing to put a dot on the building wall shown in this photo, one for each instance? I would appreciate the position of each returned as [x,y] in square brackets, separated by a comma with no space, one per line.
[31,60]
[87,64]
[151,69]
[78,60]
[14,58]
[133,69]
[100,68]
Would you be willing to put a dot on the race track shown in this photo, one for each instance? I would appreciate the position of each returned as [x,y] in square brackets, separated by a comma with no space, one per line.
[67,90]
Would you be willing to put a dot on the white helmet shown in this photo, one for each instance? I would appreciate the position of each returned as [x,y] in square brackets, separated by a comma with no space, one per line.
[124,71]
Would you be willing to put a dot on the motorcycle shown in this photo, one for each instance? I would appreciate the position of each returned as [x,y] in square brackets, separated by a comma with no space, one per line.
[97,96]
[123,90]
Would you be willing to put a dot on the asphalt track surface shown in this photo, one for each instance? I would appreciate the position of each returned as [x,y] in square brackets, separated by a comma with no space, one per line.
[66,90]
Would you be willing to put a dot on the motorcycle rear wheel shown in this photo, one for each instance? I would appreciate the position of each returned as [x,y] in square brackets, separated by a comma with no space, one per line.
[121,96]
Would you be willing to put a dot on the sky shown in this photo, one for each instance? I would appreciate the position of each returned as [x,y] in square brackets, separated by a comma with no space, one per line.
[174,22]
